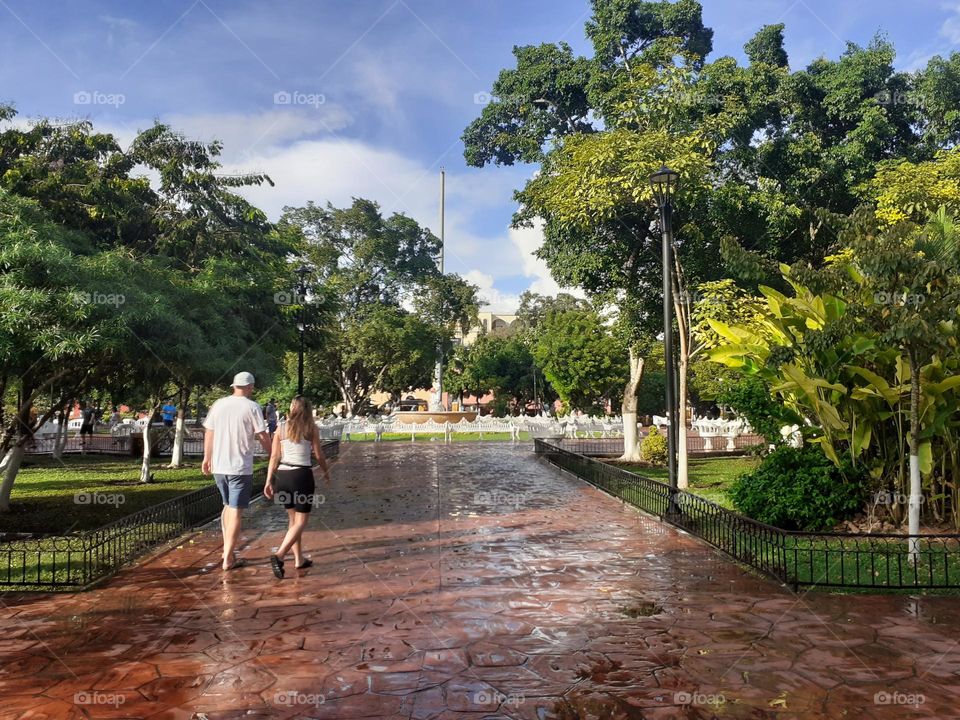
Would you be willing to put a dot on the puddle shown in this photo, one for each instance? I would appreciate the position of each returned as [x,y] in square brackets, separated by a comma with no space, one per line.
[644,609]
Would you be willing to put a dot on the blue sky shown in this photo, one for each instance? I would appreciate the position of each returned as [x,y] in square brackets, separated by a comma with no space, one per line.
[341,98]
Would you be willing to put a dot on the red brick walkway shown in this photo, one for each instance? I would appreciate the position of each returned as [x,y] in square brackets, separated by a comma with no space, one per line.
[471,581]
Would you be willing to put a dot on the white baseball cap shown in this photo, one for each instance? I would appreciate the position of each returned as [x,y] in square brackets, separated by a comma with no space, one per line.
[242,379]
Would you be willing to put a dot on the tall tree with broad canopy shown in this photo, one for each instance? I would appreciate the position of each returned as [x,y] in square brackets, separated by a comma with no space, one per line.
[582,359]
[373,268]
[130,274]
[779,145]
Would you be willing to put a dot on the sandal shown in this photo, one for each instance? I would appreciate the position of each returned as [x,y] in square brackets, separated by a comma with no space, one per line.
[305,564]
[277,565]
[237,563]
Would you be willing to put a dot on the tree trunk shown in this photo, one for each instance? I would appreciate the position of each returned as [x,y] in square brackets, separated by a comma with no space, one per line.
[145,463]
[682,311]
[60,437]
[682,465]
[916,489]
[631,444]
[13,456]
[176,458]
[145,475]
[9,467]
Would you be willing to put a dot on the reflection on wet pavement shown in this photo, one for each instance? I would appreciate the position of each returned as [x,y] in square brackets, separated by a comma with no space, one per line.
[470,581]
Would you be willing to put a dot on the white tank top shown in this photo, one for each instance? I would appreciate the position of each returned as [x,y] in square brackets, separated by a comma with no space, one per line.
[294,454]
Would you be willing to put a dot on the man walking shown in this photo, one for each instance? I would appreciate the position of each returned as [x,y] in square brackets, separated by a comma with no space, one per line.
[270,413]
[233,424]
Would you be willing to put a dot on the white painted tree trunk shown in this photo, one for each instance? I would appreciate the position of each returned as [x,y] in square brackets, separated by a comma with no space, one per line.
[60,439]
[145,464]
[9,467]
[916,499]
[631,440]
[179,435]
[682,475]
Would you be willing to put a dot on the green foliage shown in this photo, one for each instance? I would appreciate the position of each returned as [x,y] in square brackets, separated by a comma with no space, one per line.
[371,264]
[496,364]
[799,490]
[767,47]
[534,308]
[653,448]
[581,359]
[750,397]
[651,397]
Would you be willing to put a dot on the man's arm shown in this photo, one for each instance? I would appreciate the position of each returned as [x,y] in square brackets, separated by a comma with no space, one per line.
[272,467]
[207,464]
[264,438]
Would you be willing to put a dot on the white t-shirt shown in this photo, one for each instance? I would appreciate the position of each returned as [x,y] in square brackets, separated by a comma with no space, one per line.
[235,421]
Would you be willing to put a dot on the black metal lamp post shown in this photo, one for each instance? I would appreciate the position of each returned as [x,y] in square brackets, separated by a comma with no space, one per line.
[664,183]
[301,323]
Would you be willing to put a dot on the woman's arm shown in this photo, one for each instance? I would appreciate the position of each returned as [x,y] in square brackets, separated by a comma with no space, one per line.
[272,466]
[318,451]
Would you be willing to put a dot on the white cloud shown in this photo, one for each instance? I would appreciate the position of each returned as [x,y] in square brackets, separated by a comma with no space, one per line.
[492,299]
[246,135]
[528,240]
[951,26]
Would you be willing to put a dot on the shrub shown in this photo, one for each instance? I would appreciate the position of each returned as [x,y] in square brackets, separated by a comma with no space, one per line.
[751,398]
[799,489]
[653,449]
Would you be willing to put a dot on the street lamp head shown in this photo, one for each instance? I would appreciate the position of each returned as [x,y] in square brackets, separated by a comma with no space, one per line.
[664,183]
[303,269]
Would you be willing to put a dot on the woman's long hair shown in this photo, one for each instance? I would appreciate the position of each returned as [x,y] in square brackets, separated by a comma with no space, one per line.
[300,420]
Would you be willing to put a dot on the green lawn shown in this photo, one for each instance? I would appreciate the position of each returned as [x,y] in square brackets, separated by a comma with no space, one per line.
[709,477]
[85,492]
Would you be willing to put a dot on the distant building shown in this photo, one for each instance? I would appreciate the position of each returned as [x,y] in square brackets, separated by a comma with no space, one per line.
[489,323]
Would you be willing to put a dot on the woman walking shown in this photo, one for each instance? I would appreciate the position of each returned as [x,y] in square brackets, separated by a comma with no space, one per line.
[290,478]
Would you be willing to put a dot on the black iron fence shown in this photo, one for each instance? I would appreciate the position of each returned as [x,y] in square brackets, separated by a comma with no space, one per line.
[841,560]
[74,562]
[696,445]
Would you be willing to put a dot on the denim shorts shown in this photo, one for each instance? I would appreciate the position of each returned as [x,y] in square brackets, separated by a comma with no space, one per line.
[235,489]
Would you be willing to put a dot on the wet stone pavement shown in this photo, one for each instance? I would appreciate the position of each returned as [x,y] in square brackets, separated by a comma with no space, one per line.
[470,581]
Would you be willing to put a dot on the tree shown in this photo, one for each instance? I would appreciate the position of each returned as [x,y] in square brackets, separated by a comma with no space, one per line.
[132,275]
[603,139]
[872,351]
[500,365]
[534,308]
[371,265]
[581,359]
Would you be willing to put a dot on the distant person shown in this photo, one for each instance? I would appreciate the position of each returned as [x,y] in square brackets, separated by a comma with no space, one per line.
[290,479]
[88,419]
[115,418]
[169,413]
[270,413]
[233,425]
